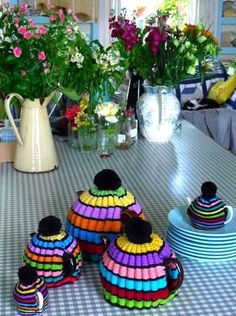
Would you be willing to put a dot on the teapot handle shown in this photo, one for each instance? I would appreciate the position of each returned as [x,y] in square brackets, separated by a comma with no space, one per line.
[9,114]
[180,269]
[40,301]
[231,211]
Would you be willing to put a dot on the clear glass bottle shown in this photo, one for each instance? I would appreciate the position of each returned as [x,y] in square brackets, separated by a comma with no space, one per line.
[73,139]
[123,132]
[134,125]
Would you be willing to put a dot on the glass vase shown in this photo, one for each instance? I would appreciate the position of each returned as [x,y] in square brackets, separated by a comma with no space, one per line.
[106,139]
[72,135]
[157,111]
[87,139]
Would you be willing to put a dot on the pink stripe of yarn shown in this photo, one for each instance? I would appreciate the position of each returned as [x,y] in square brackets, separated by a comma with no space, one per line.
[47,252]
[49,273]
[137,273]
[208,206]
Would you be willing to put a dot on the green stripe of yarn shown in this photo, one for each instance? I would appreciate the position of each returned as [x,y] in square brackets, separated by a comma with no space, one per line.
[43,266]
[119,192]
[221,213]
[133,303]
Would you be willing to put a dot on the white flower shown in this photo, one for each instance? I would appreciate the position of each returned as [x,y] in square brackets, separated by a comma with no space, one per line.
[108,110]
[77,58]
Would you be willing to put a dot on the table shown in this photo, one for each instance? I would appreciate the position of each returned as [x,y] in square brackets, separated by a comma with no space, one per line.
[219,124]
[161,176]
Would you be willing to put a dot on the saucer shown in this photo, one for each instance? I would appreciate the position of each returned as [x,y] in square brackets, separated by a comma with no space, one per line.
[179,218]
[199,249]
[212,240]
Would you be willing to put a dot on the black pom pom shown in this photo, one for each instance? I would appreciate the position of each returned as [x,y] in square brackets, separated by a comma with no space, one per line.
[138,231]
[208,190]
[107,179]
[49,226]
[27,275]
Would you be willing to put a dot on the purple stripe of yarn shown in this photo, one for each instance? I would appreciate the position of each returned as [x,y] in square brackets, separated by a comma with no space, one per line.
[143,260]
[102,212]
[23,296]
[72,246]
[165,251]
[47,252]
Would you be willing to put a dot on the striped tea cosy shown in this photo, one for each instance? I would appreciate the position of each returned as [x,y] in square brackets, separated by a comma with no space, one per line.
[138,269]
[97,212]
[207,211]
[54,253]
[30,293]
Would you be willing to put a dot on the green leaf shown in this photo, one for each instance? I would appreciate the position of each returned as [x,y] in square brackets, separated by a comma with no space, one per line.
[70,93]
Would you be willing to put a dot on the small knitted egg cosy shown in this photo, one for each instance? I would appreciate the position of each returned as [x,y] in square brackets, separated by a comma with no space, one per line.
[207,211]
[97,213]
[138,269]
[54,253]
[28,290]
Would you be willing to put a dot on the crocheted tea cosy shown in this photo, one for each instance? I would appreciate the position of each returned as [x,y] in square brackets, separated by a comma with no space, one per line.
[207,211]
[26,292]
[139,270]
[97,212]
[54,253]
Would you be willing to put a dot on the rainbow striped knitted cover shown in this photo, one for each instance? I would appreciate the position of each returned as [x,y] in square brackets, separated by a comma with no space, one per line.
[135,275]
[97,213]
[46,254]
[26,297]
[207,214]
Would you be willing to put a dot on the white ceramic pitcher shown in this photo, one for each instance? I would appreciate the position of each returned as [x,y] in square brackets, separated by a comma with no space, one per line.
[35,150]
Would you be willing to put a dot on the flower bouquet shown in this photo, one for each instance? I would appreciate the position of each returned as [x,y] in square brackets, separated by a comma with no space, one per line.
[163,55]
[108,114]
[35,59]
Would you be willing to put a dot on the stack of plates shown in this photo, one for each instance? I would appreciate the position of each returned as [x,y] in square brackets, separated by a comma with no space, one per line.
[184,239]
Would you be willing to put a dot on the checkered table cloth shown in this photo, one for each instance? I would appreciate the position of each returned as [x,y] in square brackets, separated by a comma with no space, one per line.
[161,176]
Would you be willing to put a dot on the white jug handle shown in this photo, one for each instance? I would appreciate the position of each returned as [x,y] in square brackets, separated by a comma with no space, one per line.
[40,300]
[9,114]
[231,213]
[189,200]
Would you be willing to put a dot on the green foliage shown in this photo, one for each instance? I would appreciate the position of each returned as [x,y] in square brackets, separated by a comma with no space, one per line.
[35,60]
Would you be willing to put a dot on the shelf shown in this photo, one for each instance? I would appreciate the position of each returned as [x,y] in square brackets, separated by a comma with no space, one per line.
[224,25]
[228,50]
[228,21]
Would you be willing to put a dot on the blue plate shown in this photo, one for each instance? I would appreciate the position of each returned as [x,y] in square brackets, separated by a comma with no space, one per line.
[202,258]
[196,249]
[179,218]
[213,240]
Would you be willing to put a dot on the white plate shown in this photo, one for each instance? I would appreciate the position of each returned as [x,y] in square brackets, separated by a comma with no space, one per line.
[179,218]
[198,249]
[191,256]
[203,239]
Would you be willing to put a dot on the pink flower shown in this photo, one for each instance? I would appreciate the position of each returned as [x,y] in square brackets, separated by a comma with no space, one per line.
[46,70]
[69,11]
[69,30]
[6,4]
[27,35]
[16,20]
[23,9]
[41,55]
[52,18]
[51,5]
[17,52]
[21,30]
[43,30]
[61,15]
[23,73]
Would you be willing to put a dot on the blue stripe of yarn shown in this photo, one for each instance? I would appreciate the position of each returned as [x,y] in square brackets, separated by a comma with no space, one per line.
[132,284]
[88,236]
[52,244]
